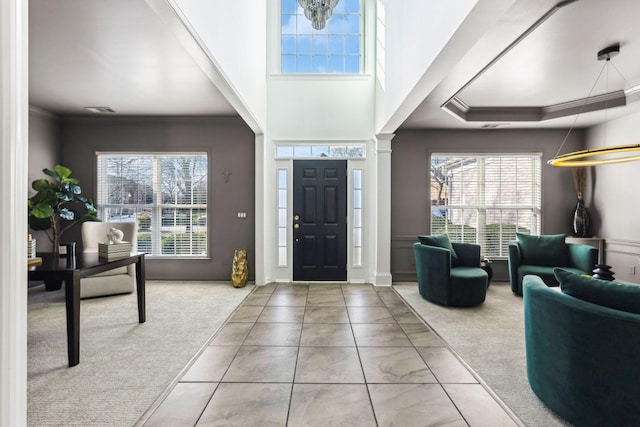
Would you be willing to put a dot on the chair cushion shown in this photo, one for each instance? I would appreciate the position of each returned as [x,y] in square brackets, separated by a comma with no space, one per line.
[441,241]
[547,250]
[616,295]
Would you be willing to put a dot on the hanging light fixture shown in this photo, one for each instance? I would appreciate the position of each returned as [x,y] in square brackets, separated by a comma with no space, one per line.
[318,11]
[604,155]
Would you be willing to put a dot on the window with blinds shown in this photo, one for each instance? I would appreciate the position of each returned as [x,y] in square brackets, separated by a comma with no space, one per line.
[166,193]
[485,198]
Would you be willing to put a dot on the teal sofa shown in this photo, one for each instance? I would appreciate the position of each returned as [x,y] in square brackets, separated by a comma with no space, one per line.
[582,348]
[449,273]
[539,255]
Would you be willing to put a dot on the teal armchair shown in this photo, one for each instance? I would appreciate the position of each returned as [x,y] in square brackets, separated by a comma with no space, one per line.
[451,278]
[538,255]
[582,351]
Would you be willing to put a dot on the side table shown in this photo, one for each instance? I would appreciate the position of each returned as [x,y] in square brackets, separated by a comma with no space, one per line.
[485,264]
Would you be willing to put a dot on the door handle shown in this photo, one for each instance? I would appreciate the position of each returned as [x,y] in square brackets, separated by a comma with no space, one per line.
[296,226]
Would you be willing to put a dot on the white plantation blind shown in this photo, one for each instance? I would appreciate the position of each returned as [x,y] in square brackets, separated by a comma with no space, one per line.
[166,193]
[485,198]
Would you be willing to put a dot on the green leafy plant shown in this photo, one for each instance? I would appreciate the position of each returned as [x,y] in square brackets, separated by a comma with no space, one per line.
[58,204]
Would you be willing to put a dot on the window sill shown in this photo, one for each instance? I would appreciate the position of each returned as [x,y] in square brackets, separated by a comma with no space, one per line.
[318,76]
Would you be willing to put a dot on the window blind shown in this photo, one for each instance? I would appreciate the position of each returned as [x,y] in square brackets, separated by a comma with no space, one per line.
[165,193]
[485,198]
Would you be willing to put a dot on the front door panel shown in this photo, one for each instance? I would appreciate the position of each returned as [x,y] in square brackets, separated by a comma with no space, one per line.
[320,220]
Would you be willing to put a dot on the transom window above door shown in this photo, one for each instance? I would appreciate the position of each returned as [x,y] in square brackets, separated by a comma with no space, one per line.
[319,39]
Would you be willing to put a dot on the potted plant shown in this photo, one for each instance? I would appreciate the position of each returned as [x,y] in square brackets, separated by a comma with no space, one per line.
[58,205]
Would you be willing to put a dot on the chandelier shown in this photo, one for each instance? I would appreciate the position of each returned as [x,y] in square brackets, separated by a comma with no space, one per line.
[318,11]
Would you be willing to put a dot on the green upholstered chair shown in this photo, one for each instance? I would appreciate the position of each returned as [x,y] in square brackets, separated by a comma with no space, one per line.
[538,255]
[450,275]
[582,357]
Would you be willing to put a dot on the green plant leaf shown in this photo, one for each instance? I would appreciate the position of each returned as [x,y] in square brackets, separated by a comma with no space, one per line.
[62,171]
[90,208]
[51,173]
[75,189]
[42,184]
[42,210]
[67,214]
[64,196]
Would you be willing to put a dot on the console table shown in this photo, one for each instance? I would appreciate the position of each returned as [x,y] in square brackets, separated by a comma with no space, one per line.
[55,268]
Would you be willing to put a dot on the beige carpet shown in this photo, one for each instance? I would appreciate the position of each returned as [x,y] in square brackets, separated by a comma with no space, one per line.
[124,366]
[490,339]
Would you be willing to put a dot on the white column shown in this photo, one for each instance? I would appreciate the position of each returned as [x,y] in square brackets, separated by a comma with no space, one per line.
[383,211]
[260,250]
[14,116]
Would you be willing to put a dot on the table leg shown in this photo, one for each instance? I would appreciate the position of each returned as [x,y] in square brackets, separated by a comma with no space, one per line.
[140,287]
[72,300]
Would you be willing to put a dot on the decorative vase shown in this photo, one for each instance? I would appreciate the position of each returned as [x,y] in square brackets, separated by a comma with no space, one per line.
[581,219]
[603,272]
[240,270]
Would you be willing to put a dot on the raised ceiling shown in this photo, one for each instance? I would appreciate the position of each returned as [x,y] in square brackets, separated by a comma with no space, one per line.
[107,54]
[545,67]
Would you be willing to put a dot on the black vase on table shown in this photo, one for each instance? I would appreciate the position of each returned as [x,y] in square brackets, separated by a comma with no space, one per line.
[581,219]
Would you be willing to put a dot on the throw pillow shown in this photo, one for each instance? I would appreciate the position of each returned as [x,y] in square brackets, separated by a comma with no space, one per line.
[441,241]
[547,250]
[616,295]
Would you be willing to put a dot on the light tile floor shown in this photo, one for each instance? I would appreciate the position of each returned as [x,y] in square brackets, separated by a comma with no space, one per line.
[327,355]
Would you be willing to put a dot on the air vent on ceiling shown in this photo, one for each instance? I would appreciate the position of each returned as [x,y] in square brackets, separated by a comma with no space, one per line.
[100,109]
[491,125]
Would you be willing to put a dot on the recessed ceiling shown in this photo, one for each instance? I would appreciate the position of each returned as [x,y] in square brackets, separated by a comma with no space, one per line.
[554,64]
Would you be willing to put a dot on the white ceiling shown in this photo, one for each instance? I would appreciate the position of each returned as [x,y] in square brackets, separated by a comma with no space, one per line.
[113,53]
[108,53]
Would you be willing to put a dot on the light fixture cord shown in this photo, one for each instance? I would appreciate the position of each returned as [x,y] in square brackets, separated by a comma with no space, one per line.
[581,108]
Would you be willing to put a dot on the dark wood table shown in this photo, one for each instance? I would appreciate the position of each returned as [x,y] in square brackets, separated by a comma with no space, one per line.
[55,269]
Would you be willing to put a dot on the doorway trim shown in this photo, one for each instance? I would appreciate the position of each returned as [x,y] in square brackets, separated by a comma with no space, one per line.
[282,256]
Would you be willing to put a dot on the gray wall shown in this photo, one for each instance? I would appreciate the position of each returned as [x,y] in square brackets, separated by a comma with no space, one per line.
[230,144]
[44,152]
[613,198]
[410,199]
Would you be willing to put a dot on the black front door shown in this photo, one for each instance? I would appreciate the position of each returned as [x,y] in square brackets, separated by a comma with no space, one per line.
[320,220]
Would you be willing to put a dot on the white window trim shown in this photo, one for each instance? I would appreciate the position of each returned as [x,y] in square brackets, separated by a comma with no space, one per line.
[157,207]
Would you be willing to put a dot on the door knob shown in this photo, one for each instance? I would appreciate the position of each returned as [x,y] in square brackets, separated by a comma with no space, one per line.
[296,225]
